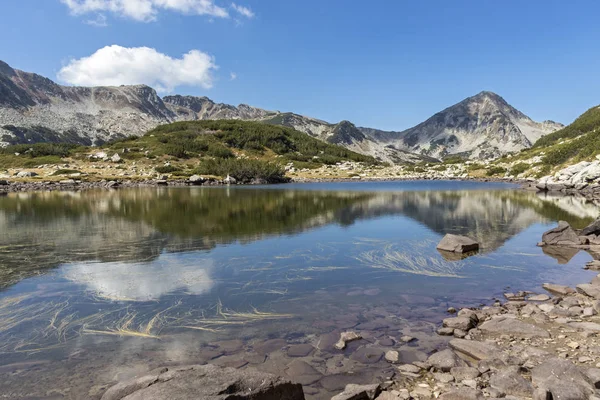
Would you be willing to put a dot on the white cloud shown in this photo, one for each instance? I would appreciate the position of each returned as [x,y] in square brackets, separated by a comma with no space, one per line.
[115,65]
[232,76]
[147,10]
[99,21]
[245,11]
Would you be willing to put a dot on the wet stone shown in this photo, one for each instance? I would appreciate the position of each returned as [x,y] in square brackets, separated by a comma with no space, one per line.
[367,355]
[302,372]
[269,346]
[254,358]
[300,350]
[386,341]
[230,346]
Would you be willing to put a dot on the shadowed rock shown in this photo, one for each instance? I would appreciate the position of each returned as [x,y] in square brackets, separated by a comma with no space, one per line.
[207,382]
[562,235]
[561,254]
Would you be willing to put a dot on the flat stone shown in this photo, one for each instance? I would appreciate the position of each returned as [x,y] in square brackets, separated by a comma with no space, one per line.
[462,394]
[300,350]
[512,326]
[407,339]
[445,360]
[457,244]
[230,346]
[562,235]
[359,392]
[546,307]
[254,358]
[302,372]
[589,290]
[386,342]
[409,368]
[474,349]
[445,331]
[586,326]
[560,290]
[269,346]
[539,297]
[367,355]
[208,382]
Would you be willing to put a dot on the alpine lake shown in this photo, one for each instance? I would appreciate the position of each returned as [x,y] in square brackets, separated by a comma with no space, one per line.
[102,285]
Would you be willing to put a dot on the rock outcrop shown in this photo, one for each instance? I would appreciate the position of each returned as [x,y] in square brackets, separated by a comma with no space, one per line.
[457,244]
[208,382]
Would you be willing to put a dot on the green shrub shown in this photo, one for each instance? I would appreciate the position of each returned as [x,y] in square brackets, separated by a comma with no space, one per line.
[243,170]
[40,149]
[166,169]
[495,170]
[586,122]
[519,168]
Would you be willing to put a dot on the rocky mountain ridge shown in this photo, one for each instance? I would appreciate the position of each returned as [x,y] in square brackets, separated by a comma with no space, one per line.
[483,126]
[34,108]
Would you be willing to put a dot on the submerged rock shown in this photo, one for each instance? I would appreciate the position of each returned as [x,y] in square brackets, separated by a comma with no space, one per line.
[359,392]
[457,244]
[205,382]
[345,338]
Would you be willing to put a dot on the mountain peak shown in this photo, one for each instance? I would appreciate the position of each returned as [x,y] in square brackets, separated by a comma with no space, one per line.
[6,69]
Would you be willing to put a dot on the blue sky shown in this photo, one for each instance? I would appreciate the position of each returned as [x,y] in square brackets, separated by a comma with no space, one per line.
[382,64]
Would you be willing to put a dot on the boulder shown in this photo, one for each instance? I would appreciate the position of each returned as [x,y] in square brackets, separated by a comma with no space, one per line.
[562,235]
[457,244]
[359,392]
[591,229]
[230,180]
[462,323]
[512,326]
[115,158]
[26,174]
[205,382]
[196,180]
[445,360]
[3,182]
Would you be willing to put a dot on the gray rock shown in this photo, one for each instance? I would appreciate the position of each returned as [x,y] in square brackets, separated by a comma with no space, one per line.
[230,180]
[445,331]
[462,323]
[462,394]
[443,377]
[592,229]
[562,235]
[196,180]
[589,290]
[115,158]
[457,244]
[409,368]
[302,372]
[560,379]
[300,350]
[586,326]
[26,174]
[205,382]
[3,182]
[512,326]
[392,356]
[558,289]
[367,355]
[474,349]
[539,297]
[463,373]
[346,337]
[511,382]
[445,360]
[359,392]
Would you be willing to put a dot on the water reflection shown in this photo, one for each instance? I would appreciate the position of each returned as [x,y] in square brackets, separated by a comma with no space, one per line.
[112,283]
[45,230]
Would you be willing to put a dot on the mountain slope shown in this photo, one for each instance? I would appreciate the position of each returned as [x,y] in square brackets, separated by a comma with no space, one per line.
[35,109]
[482,126]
